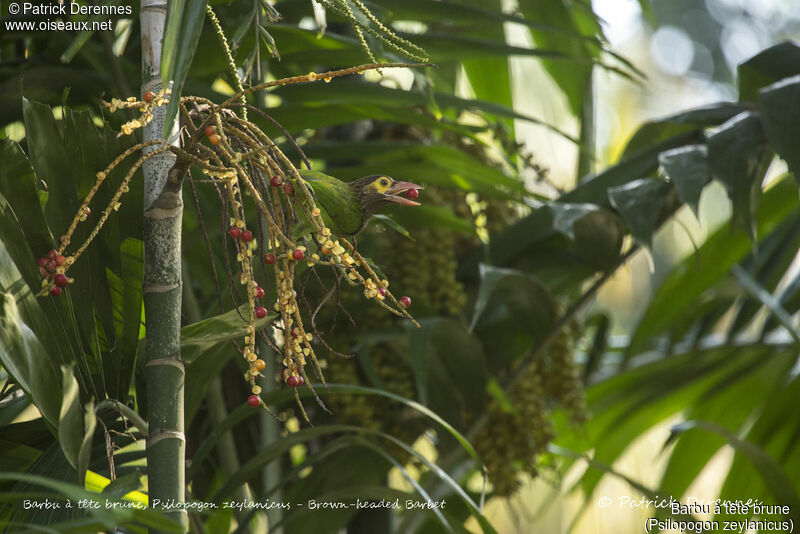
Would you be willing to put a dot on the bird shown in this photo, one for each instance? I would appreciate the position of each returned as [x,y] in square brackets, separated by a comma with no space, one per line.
[346,207]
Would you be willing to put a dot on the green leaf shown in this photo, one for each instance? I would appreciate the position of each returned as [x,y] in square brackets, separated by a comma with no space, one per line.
[70,420]
[777,481]
[768,66]
[390,223]
[688,171]
[26,361]
[429,216]
[489,77]
[124,485]
[736,154]
[179,58]
[449,367]
[726,405]
[206,349]
[513,312]
[572,79]
[85,452]
[710,264]
[779,104]
[565,215]
[640,204]
[755,289]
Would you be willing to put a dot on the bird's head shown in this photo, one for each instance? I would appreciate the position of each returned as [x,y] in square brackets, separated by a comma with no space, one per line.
[374,191]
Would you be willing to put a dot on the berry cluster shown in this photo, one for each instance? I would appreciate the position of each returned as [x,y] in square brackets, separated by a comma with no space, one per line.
[52,268]
[245,165]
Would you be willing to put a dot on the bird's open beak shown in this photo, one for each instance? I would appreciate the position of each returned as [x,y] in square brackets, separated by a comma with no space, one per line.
[392,194]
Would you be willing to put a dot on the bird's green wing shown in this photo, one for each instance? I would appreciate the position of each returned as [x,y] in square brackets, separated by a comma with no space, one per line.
[338,204]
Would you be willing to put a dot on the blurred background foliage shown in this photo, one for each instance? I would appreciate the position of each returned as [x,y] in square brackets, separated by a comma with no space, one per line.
[604,269]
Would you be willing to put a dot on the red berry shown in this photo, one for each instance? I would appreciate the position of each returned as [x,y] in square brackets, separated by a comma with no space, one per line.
[259,292]
[210,130]
[297,254]
[52,255]
[42,262]
[382,291]
[405,301]
[234,232]
[261,312]
[247,236]
[214,139]
[254,401]
[295,332]
[294,381]
[60,260]
[61,280]
[50,265]
[269,258]
[42,271]
[412,194]
[288,189]
[275,181]
[56,291]
[148,96]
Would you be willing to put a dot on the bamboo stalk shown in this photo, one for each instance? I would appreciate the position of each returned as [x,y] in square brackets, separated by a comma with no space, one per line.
[164,371]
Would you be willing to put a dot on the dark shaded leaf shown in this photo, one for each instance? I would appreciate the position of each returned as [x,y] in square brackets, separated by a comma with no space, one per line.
[640,203]
[687,169]
[736,155]
[70,420]
[779,104]
[775,63]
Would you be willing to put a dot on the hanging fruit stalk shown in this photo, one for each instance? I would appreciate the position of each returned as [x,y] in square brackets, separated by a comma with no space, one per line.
[249,167]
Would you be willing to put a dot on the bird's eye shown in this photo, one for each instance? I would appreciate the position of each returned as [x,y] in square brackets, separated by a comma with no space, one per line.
[384,182]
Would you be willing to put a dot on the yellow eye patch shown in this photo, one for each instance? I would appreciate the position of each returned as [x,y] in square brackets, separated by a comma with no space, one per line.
[381,184]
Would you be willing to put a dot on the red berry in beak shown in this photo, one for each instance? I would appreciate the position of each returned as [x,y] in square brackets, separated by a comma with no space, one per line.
[405,301]
[261,312]
[235,232]
[254,401]
[412,194]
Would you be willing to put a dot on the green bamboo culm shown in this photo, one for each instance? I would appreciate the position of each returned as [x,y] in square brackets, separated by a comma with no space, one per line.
[162,286]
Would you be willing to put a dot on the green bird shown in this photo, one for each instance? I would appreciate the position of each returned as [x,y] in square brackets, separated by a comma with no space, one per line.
[347,206]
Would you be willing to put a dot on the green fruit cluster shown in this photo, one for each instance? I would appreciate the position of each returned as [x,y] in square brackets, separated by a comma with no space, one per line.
[514,438]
